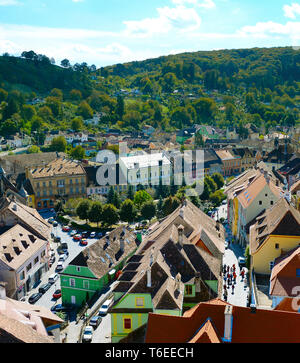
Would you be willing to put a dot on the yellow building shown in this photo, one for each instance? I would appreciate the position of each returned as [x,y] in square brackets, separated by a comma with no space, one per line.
[60,179]
[275,233]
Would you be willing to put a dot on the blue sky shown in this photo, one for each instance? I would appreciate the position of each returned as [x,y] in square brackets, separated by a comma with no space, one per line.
[104,32]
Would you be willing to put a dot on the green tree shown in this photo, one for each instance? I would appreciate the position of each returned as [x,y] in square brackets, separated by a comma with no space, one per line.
[120,109]
[78,153]
[218,179]
[59,144]
[170,204]
[110,215]
[77,124]
[85,110]
[128,211]
[130,192]
[33,150]
[28,112]
[83,208]
[148,210]
[95,213]
[140,198]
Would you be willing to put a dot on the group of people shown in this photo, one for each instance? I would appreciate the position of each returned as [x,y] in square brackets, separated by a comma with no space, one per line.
[230,277]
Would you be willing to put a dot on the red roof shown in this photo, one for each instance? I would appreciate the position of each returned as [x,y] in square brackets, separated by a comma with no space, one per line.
[263,326]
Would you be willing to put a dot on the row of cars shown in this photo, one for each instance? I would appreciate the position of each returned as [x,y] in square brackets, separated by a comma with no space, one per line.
[44,288]
[81,237]
[95,322]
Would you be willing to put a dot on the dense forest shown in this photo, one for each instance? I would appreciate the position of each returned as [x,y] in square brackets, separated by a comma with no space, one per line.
[221,88]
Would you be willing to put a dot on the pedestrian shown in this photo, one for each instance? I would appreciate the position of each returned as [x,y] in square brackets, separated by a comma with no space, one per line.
[225,295]
[225,287]
[242,274]
[232,289]
[234,277]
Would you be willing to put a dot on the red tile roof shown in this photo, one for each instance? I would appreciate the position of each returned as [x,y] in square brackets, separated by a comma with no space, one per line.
[263,326]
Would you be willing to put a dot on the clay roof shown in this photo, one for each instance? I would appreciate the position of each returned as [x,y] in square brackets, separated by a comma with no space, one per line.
[22,322]
[225,155]
[263,326]
[281,219]
[101,257]
[287,304]
[206,334]
[283,278]
[29,217]
[17,245]
[58,167]
[166,257]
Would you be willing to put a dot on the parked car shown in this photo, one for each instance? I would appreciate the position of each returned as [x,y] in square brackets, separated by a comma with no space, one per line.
[84,242]
[88,334]
[100,234]
[53,278]
[45,288]
[95,321]
[35,297]
[242,262]
[59,307]
[77,237]
[57,294]
[104,308]
[62,258]
[93,234]
[51,220]
[85,234]
[66,229]
[52,260]
[226,245]
[72,233]
[55,224]
[60,267]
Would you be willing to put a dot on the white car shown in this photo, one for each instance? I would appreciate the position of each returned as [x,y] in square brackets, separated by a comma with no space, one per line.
[62,258]
[60,267]
[93,234]
[104,308]
[53,278]
[88,334]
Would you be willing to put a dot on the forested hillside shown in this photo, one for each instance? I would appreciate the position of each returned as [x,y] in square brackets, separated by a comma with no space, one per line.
[221,88]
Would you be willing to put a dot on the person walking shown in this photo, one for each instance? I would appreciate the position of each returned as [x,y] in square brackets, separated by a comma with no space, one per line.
[234,278]
[232,289]
[243,274]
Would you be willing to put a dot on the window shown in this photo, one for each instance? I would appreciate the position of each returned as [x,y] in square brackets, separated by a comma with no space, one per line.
[86,284]
[272,203]
[78,269]
[189,290]
[127,323]
[271,265]
[298,272]
[277,246]
[28,268]
[260,202]
[43,253]
[72,282]
[22,275]
[139,302]
[36,260]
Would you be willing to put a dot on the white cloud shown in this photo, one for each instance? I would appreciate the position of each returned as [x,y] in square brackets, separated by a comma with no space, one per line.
[9,2]
[290,11]
[208,4]
[179,18]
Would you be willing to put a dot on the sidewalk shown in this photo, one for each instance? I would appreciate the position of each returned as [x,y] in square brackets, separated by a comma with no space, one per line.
[231,256]
[73,330]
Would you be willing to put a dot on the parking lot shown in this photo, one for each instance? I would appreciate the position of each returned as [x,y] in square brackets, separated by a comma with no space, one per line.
[74,248]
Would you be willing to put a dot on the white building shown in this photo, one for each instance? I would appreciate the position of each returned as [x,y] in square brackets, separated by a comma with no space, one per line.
[146,169]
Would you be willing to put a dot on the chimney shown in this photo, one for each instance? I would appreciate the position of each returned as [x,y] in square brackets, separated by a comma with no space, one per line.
[122,244]
[2,291]
[180,235]
[198,282]
[228,319]
[149,277]
[177,282]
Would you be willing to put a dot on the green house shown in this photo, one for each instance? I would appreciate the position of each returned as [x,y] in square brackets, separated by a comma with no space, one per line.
[96,266]
[169,273]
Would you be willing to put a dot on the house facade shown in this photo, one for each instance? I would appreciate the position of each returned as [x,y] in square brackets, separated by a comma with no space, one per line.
[61,178]
[276,232]
[177,266]
[97,266]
